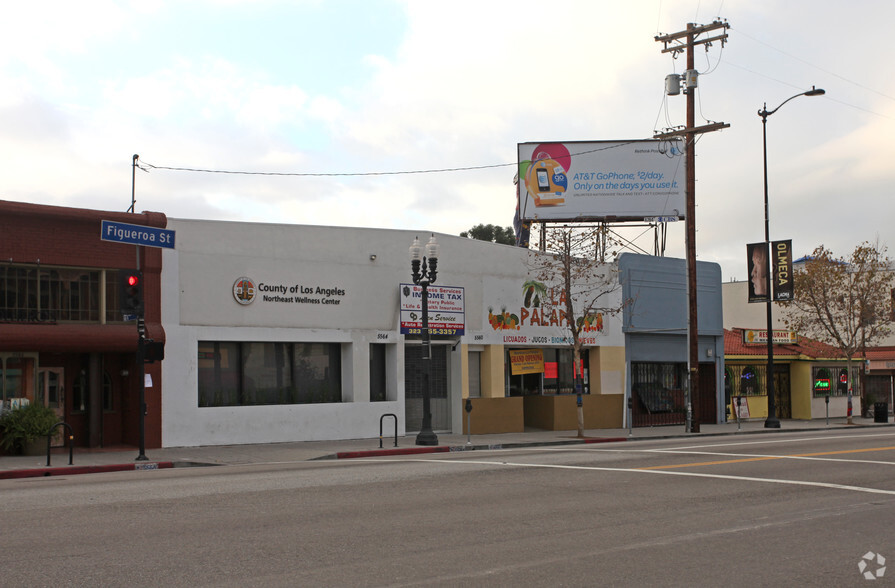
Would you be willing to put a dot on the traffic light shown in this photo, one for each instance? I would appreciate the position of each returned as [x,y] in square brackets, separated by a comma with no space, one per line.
[130,291]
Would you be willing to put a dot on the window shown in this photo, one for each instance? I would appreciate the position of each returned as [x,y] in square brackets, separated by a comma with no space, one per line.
[833,381]
[558,375]
[749,382]
[36,294]
[108,398]
[475,374]
[253,374]
[378,390]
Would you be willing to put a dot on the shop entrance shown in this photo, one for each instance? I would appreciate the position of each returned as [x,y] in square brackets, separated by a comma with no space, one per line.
[782,396]
[51,389]
[438,388]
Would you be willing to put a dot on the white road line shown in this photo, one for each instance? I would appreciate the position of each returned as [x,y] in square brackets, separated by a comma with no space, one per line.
[787,440]
[771,456]
[661,472]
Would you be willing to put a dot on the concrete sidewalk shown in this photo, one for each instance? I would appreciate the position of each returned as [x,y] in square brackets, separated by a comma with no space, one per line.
[124,459]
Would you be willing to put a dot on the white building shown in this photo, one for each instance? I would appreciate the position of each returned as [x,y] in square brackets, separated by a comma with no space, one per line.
[293,333]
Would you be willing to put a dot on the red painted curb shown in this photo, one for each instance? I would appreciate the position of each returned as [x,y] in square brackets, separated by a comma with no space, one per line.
[605,439]
[90,469]
[395,451]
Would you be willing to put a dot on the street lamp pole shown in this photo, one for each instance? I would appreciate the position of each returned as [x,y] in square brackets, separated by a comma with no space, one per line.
[424,270]
[772,421]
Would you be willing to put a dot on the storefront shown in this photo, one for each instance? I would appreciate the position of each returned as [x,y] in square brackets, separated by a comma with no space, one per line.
[657,341]
[810,378]
[287,333]
[879,379]
[64,342]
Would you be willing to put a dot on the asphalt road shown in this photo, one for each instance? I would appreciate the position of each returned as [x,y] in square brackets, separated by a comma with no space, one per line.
[758,510]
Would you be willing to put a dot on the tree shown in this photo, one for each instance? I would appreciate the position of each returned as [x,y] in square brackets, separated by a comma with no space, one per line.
[492,233]
[843,302]
[588,288]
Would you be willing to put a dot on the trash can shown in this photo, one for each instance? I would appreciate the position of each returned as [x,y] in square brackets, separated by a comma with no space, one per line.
[881,412]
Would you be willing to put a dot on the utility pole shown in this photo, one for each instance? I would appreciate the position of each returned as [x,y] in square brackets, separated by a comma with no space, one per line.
[676,43]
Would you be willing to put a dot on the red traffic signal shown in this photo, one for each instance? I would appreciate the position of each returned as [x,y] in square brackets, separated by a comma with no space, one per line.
[130,292]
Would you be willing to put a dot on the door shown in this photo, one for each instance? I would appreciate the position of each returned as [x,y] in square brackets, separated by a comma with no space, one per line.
[414,382]
[708,405]
[51,389]
[782,395]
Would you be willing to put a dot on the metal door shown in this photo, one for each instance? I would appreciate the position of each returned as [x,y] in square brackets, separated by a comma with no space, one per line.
[439,399]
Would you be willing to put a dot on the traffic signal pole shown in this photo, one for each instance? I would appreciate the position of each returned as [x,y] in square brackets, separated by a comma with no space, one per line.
[141,374]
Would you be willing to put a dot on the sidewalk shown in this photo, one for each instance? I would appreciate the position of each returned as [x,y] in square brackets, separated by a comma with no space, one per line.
[124,458]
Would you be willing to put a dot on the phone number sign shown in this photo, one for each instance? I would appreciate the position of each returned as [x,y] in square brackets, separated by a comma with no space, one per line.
[446,306]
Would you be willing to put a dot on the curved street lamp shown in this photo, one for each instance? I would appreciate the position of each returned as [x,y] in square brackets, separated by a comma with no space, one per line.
[772,422]
[424,269]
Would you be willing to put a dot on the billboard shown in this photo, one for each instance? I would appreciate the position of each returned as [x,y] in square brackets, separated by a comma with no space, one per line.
[602,180]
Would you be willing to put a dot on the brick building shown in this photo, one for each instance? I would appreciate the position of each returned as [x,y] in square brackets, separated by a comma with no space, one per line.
[63,340]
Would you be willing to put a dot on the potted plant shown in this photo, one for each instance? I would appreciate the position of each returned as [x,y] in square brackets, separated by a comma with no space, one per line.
[25,426]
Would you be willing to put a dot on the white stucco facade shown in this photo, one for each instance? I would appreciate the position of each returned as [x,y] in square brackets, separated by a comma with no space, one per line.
[317,285]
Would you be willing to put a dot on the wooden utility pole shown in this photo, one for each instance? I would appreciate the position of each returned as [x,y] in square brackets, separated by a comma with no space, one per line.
[674,44]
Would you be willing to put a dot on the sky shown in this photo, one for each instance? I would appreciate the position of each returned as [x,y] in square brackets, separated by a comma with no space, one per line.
[334,99]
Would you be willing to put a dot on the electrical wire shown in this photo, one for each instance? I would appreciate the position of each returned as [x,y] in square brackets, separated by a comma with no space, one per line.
[362,174]
[826,71]
[326,175]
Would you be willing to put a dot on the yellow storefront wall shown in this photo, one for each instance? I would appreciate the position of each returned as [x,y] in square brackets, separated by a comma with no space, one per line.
[799,394]
[496,413]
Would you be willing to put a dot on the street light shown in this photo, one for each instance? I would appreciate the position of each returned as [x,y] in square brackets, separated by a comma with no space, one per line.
[424,269]
[772,422]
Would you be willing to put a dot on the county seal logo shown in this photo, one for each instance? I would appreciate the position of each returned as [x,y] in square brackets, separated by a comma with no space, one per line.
[244,290]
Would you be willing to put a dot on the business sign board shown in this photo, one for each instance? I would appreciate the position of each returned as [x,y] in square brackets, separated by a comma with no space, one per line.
[446,306]
[601,180]
[526,361]
[136,234]
[781,337]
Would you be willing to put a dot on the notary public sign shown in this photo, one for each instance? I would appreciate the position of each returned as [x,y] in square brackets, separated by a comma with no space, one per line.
[446,306]
[137,234]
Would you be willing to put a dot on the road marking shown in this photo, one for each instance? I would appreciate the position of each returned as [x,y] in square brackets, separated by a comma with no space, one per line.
[827,485]
[744,459]
[770,441]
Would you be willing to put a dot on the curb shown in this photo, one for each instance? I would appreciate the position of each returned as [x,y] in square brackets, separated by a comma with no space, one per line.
[87,469]
[458,448]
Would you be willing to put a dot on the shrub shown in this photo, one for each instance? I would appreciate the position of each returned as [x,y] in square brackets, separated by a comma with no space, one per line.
[25,424]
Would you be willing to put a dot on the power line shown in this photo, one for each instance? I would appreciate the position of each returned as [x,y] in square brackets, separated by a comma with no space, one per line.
[361,174]
[320,174]
[826,71]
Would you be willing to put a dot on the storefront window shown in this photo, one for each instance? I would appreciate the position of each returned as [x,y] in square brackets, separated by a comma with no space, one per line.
[559,375]
[16,379]
[252,374]
[475,374]
[833,381]
[749,382]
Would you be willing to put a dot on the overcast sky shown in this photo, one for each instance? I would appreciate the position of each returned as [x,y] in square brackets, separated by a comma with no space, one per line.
[360,86]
